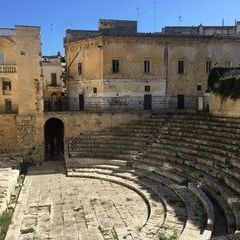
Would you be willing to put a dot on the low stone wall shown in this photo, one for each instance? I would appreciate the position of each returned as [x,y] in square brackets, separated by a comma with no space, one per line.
[76,123]
[25,133]
[229,107]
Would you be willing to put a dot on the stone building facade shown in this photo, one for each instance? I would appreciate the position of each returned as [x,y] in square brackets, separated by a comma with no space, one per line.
[21,105]
[117,61]
[53,68]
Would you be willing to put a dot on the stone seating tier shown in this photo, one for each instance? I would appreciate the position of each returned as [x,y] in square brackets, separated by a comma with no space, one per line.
[199,150]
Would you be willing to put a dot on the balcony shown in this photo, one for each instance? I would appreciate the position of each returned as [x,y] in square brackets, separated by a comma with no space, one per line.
[7,68]
[7,32]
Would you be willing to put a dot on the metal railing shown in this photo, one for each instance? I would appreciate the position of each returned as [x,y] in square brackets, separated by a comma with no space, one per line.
[7,32]
[7,68]
[121,104]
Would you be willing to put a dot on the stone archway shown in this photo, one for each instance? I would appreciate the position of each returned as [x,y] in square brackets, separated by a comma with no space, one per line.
[54,139]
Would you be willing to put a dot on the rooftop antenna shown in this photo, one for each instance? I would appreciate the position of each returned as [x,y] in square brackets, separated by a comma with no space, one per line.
[138,13]
[180,19]
[155,14]
[51,29]
[223,22]
[138,16]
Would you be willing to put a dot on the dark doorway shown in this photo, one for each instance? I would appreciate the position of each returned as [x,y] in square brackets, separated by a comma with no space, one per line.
[181,102]
[148,102]
[81,102]
[54,144]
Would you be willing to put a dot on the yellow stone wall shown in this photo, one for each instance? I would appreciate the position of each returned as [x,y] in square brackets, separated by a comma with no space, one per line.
[97,55]
[195,53]
[8,48]
[28,56]
[77,122]
[163,53]
[47,70]
[22,49]
[8,132]
[229,107]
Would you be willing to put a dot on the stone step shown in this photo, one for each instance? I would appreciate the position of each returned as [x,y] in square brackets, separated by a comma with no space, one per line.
[198,117]
[143,175]
[157,216]
[103,146]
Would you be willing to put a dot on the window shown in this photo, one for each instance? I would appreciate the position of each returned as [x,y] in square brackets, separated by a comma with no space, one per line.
[94,90]
[181,67]
[147,88]
[80,70]
[6,86]
[8,106]
[1,58]
[228,64]
[23,53]
[146,66]
[54,79]
[199,87]
[208,66]
[115,66]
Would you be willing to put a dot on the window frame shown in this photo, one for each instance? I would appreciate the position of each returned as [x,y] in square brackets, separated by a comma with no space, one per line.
[208,66]
[181,66]
[95,90]
[147,88]
[147,66]
[80,68]
[115,66]
[6,83]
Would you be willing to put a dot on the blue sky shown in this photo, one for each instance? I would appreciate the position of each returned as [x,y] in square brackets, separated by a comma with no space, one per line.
[55,16]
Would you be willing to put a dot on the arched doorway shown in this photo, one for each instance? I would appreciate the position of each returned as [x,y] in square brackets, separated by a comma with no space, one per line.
[54,143]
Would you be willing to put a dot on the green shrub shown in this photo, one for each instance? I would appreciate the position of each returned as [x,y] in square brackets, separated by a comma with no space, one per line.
[5,220]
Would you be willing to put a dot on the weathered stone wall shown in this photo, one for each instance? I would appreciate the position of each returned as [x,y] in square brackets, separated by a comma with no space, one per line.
[195,53]
[229,107]
[163,53]
[76,123]
[97,55]
[48,88]
[8,48]
[28,63]
[8,132]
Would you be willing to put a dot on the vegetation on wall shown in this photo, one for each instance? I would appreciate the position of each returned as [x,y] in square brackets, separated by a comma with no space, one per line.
[225,82]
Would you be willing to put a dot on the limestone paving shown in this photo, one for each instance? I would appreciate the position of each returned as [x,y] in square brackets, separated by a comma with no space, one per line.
[52,206]
[8,180]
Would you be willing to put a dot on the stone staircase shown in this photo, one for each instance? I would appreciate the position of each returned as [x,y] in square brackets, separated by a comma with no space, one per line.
[190,162]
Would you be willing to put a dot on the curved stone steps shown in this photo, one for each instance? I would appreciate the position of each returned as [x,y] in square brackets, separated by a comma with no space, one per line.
[157,208]
[229,121]
[192,204]
[179,171]
[209,182]
[226,172]
[231,148]
[205,138]
[196,146]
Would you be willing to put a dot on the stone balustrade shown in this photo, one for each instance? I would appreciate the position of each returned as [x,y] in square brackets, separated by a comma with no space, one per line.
[8,68]
[7,32]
